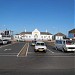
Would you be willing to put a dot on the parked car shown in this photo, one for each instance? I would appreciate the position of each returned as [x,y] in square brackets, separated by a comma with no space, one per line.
[33,42]
[1,42]
[5,41]
[40,46]
[21,40]
[65,45]
[8,41]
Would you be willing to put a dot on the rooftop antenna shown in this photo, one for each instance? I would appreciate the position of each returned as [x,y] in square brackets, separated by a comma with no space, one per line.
[25,30]
[46,31]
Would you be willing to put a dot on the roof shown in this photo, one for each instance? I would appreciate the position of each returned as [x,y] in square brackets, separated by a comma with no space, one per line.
[72,31]
[59,34]
[16,34]
[46,33]
[43,33]
[22,33]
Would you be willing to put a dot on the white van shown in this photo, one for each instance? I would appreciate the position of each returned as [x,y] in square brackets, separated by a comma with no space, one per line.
[65,45]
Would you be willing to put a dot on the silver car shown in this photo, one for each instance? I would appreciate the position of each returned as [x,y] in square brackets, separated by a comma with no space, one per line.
[1,42]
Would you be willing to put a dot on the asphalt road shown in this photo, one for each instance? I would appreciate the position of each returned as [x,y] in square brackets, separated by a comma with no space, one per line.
[11,49]
[50,63]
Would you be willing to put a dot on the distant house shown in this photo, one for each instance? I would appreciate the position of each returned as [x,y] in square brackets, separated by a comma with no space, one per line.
[36,34]
[59,36]
[71,34]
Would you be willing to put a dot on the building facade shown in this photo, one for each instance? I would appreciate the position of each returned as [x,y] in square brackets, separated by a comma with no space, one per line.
[71,34]
[36,34]
[59,36]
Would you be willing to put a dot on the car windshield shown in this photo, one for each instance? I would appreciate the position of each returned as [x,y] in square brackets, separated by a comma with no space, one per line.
[42,44]
[70,42]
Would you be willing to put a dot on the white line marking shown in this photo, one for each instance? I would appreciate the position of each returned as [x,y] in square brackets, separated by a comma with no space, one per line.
[7,45]
[7,49]
[8,55]
[50,50]
[27,49]
[21,50]
[53,56]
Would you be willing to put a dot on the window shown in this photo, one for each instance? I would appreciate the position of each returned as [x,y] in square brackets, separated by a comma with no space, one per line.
[26,36]
[35,36]
[68,42]
[58,41]
[41,44]
[29,36]
[45,36]
[63,42]
[48,36]
[41,36]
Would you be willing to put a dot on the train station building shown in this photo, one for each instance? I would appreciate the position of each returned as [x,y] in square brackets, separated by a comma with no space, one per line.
[36,34]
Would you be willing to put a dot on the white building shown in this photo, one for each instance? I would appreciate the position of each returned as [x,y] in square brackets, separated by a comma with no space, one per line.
[59,36]
[36,34]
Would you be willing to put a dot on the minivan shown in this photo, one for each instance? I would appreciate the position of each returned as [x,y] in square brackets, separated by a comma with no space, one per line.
[65,45]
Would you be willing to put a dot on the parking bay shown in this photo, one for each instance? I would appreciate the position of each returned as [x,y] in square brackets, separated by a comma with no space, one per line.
[39,60]
[11,49]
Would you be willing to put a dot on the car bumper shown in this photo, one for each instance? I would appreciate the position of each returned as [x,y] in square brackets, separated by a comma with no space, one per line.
[70,50]
[40,50]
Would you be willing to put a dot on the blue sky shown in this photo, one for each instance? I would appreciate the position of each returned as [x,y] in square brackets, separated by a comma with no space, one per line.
[53,15]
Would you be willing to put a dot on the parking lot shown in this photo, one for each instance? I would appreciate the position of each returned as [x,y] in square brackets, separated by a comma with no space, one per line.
[21,56]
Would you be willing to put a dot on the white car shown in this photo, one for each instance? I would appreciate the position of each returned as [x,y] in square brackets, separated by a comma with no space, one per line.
[2,42]
[65,45]
[40,46]
[5,41]
[33,43]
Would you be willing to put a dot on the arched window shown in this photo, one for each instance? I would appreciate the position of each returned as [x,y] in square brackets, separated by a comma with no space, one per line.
[35,36]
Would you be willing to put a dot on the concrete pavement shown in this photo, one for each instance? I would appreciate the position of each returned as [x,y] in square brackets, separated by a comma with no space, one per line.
[57,63]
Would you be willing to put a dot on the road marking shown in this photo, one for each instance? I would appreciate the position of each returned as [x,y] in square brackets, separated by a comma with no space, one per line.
[8,55]
[7,45]
[7,49]
[50,50]
[21,50]
[27,49]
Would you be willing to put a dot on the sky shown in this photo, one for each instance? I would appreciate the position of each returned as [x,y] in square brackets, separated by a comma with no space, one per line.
[51,15]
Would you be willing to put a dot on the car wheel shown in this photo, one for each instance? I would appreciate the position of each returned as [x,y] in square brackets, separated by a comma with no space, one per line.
[63,50]
[35,50]
[56,48]
[45,51]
